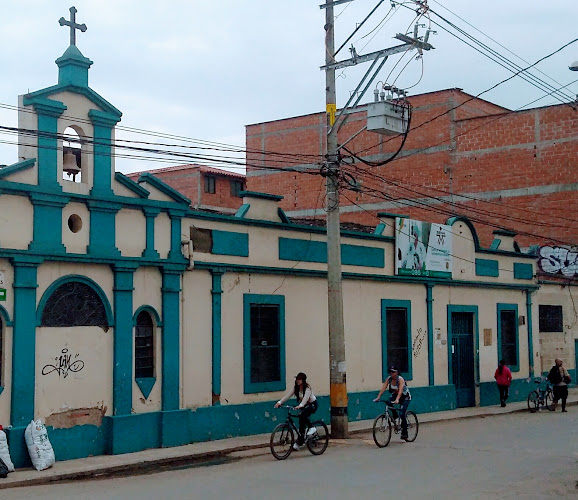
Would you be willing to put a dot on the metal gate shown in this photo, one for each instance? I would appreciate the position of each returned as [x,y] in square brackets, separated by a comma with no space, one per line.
[463,358]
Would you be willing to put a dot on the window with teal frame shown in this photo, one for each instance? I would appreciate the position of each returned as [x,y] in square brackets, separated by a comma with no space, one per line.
[396,337]
[264,343]
[508,348]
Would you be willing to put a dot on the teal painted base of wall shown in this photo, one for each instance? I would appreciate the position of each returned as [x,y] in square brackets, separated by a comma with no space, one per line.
[17,447]
[519,390]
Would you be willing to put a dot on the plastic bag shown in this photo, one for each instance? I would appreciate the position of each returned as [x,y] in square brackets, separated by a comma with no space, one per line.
[4,452]
[39,447]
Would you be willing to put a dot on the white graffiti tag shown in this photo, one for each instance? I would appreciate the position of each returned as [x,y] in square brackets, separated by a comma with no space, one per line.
[554,260]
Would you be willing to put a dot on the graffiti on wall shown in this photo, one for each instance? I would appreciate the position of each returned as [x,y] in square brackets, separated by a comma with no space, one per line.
[64,364]
[558,260]
[418,341]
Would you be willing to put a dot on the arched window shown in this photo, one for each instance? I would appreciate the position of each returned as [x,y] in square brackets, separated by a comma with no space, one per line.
[74,304]
[144,352]
[71,156]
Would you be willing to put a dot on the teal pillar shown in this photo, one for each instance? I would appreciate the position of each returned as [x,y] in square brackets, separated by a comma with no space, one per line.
[123,339]
[24,341]
[171,339]
[430,333]
[175,253]
[530,332]
[103,123]
[216,294]
[149,252]
[47,223]
[48,112]
[102,241]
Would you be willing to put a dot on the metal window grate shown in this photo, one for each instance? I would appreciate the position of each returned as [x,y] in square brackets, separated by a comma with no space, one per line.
[144,352]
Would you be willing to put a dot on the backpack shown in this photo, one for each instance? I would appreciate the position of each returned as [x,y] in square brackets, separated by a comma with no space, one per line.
[554,375]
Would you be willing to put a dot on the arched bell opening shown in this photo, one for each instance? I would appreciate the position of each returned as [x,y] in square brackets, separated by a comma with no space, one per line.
[72,155]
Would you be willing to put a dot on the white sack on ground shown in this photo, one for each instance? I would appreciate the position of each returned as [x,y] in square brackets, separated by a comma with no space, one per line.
[5,452]
[39,447]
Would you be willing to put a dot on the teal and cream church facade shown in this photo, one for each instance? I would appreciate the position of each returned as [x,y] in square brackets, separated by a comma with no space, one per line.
[130,321]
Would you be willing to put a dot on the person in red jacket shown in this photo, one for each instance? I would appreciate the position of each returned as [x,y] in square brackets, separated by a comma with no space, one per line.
[503,378]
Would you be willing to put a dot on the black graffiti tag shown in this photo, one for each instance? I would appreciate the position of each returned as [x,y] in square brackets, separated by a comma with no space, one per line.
[418,341]
[64,365]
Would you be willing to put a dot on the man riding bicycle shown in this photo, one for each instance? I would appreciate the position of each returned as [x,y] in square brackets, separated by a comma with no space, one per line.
[400,394]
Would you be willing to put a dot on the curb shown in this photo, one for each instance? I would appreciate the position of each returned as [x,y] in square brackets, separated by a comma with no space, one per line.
[201,458]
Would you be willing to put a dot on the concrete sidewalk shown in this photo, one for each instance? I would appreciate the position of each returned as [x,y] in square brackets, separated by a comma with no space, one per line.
[211,451]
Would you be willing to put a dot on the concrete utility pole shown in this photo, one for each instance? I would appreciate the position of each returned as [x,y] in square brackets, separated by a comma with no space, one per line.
[337,370]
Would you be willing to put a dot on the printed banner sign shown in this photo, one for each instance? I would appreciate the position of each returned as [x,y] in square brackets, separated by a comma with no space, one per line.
[422,249]
[2,294]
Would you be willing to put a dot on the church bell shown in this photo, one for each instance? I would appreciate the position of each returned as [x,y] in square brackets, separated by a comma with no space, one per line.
[70,164]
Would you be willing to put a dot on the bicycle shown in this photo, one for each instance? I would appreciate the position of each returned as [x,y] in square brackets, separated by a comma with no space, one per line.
[283,436]
[540,398]
[388,421]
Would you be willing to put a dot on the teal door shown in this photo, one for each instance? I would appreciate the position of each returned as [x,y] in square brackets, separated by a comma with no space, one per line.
[462,351]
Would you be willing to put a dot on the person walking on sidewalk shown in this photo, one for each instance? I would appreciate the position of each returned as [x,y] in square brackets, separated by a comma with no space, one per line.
[306,402]
[503,378]
[560,378]
[400,394]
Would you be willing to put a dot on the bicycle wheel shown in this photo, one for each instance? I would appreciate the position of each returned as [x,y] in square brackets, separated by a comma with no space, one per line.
[533,401]
[549,400]
[382,430]
[318,442]
[281,442]
[412,426]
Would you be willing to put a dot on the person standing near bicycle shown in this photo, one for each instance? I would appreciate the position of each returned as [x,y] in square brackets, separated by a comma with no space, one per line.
[559,378]
[503,378]
[306,402]
[400,394]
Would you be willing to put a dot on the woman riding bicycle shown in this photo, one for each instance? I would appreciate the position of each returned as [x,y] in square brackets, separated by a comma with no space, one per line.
[306,402]
[400,394]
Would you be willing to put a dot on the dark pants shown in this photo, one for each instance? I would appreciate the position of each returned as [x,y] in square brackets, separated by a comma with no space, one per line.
[304,422]
[504,393]
[561,392]
[404,403]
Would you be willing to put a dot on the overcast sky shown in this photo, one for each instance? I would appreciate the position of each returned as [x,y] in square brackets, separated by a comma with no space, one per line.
[205,69]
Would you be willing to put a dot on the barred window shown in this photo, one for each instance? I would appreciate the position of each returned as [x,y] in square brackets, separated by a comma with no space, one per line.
[144,353]
[551,318]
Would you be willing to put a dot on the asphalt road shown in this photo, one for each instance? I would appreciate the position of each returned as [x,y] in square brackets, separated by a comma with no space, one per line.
[521,456]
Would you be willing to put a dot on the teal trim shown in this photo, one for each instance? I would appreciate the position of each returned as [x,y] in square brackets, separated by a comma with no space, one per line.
[530,332]
[123,340]
[262,196]
[282,216]
[103,123]
[73,67]
[379,229]
[519,390]
[430,333]
[397,304]
[149,252]
[1,389]
[5,317]
[16,167]
[131,185]
[453,220]
[216,325]
[508,307]
[291,271]
[495,244]
[274,385]
[355,255]
[243,209]
[103,229]
[175,253]
[70,278]
[392,215]
[125,439]
[171,340]
[506,253]
[152,311]
[23,343]
[468,309]
[523,271]
[230,243]
[47,224]
[90,94]
[176,428]
[486,267]
[316,251]
[145,384]
[48,113]
[164,188]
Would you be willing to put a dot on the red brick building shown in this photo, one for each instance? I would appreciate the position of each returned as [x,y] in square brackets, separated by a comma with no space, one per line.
[208,188]
[515,171]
